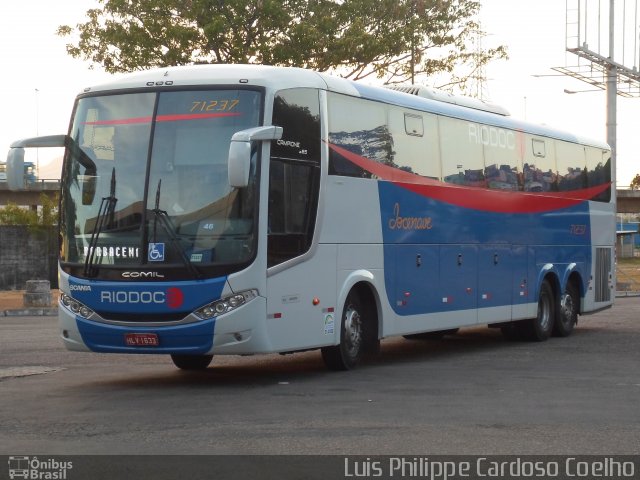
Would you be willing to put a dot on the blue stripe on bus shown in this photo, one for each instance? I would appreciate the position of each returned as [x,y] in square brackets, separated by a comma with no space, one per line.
[409,217]
[439,257]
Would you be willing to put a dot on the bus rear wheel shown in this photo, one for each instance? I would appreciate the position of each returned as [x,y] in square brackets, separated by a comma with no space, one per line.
[191,362]
[567,312]
[348,353]
[539,329]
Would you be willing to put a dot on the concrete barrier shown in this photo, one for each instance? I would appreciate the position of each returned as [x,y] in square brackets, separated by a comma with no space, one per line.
[38,294]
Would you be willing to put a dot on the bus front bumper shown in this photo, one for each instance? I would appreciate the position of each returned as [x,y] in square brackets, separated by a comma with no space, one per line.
[235,333]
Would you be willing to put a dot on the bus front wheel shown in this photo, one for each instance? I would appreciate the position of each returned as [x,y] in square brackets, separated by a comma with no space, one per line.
[347,354]
[191,362]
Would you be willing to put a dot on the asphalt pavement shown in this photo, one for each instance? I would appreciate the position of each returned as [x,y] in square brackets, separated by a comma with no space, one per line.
[472,393]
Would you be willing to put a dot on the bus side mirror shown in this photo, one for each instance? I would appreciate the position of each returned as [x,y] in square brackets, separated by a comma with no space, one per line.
[15,158]
[239,164]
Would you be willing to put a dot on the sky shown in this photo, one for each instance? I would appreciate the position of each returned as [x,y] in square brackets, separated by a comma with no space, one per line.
[39,80]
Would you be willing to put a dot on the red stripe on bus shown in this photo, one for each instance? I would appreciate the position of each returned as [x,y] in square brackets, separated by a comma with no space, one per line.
[498,201]
[163,118]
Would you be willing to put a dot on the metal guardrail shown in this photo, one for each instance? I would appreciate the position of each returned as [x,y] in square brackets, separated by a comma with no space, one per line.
[40,184]
[624,293]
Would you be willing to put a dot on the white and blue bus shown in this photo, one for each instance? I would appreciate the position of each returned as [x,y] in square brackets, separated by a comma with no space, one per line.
[226,209]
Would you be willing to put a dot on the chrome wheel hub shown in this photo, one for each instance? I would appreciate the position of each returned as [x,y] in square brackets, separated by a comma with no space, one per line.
[353,330]
[544,312]
[566,307]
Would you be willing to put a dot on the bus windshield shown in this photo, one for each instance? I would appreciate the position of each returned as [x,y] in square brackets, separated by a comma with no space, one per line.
[145,181]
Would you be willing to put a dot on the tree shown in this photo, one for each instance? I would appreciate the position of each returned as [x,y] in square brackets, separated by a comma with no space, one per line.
[45,216]
[635,183]
[13,214]
[395,40]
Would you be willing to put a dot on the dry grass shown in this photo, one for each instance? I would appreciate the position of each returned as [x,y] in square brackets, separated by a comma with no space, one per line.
[628,274]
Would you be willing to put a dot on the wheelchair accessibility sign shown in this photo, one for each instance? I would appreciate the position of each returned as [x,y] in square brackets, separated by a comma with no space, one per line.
[156,252]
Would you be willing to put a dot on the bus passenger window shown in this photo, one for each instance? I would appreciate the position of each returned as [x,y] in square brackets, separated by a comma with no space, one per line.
[571,166]
[599,171]
[461,148]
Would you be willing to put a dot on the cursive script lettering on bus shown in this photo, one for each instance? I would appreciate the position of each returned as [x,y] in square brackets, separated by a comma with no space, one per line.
[399,222]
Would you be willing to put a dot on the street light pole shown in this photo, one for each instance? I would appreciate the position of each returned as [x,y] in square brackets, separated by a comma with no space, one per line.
[612,87]
[37,134]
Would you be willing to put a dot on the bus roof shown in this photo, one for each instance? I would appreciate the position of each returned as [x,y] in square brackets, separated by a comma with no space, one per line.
[194,75]
[276,78]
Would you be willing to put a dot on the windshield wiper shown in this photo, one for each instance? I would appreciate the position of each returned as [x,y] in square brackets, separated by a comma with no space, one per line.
[105,215]
[163,218]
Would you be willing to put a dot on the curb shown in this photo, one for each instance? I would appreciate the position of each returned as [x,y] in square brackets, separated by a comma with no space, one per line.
[30,312]
[627,294]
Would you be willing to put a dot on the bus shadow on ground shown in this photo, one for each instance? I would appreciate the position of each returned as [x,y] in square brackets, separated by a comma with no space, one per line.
[302,367]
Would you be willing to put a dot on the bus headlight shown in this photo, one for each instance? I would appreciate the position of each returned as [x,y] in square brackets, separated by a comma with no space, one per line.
[225,305]
[76,307]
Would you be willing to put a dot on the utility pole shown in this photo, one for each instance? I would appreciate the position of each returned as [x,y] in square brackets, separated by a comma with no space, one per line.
[612,91]
[604,70]
[37,134]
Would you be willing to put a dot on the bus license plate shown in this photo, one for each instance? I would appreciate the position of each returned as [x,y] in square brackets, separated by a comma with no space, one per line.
[141,340]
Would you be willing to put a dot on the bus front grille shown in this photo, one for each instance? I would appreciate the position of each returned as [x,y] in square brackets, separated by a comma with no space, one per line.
[143,317]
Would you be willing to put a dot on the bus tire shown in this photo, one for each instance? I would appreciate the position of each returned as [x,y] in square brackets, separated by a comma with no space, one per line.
[348,353]
[191,362]
[539,329]
[567,312]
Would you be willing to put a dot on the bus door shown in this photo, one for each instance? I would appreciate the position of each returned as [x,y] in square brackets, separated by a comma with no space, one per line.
[294,185]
